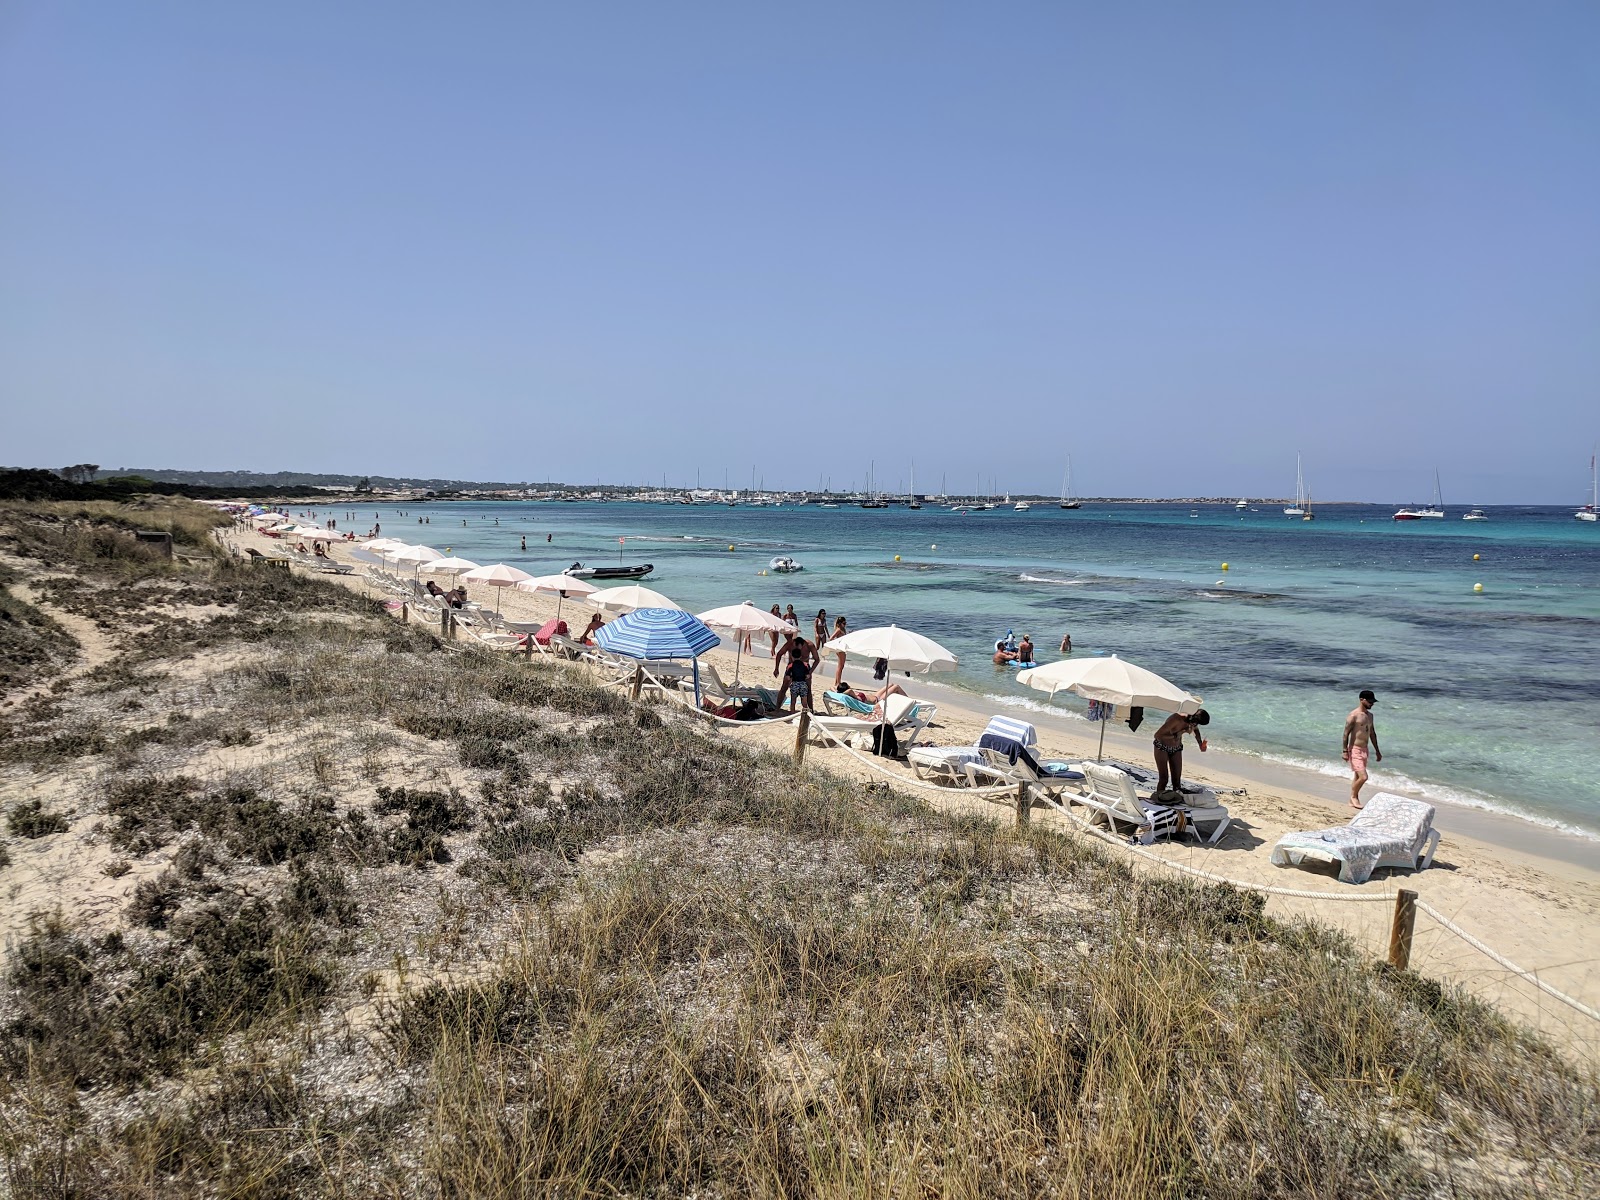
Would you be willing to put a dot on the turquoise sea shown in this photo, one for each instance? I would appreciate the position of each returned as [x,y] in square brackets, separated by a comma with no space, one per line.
[1489,699]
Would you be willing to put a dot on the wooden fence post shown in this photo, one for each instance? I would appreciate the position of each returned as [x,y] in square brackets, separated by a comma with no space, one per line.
[1024,804]
[444,621]
[802,728]
[638,682]
[452,618]
[405,613]
[1405,920]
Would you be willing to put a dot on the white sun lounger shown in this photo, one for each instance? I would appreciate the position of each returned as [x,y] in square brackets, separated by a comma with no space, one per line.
[1390,831]
[907,716]
[1112,795]
[947,764]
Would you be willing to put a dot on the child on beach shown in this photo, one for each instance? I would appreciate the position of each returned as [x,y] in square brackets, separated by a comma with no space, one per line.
[797,675]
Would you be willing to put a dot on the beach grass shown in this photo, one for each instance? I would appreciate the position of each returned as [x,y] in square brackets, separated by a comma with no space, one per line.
[404,918]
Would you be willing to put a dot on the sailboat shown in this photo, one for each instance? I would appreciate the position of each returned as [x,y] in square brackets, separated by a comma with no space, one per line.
[1298,508]
[1434,511]
[911,497]
[1591,510]
[1068,500]
[872,500]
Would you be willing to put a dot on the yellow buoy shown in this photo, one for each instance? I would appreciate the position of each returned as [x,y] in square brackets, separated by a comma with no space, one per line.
[897,558]
[1224,566]
[730,545]
[1477,587]
[1475,557]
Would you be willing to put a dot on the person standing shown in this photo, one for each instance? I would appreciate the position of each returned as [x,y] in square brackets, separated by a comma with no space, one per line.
[839,631]
[819,629]
[1360,731]
[777,612]
[1169,751]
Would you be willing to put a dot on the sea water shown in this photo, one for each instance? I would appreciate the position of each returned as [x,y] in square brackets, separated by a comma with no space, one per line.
[1488,698]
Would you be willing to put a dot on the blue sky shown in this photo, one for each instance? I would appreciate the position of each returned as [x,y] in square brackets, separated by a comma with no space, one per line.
[1181,241]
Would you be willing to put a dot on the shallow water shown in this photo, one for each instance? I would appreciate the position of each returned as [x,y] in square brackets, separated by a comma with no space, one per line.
[1484,698]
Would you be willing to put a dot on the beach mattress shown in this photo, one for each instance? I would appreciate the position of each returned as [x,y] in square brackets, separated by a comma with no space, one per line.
[943,760]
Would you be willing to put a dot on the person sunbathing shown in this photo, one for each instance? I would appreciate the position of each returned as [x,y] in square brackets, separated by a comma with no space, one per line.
[875,699]
[587,637]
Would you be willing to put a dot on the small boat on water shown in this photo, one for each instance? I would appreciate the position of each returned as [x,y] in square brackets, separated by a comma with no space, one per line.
[639,571]
[1241,505]
[1434,511]
[782,564]
[1476,514]
[1591,510]
[1021,506]
[1298,508]
[828,504]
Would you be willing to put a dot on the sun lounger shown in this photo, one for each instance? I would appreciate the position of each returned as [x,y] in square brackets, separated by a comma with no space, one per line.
[1008,760]
[711,684]
[849,703]
[329,567]
[1390,831]
[907,717]
[946,764]
[1113,793]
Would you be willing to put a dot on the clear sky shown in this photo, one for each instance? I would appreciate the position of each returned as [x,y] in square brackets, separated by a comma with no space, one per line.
[610,241]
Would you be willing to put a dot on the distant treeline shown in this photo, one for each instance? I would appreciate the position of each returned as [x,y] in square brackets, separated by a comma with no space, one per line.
[31,483]
[253,481]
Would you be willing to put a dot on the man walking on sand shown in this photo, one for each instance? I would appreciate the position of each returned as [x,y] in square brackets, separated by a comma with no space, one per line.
[1359,731]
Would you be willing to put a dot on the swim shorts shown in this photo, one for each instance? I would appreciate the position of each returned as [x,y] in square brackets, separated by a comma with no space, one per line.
[800,689]
[1358,759]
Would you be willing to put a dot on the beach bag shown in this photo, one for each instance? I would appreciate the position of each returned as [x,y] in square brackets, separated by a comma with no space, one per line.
[884,742]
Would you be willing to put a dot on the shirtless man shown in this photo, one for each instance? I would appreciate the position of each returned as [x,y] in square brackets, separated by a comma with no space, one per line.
[1359,730]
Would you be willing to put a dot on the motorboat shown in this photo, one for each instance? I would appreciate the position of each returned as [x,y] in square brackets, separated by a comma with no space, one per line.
[1476,514]
[782,564]
[1021,506]
[1434,511]
[1241,505]
[828,504]
[638,571]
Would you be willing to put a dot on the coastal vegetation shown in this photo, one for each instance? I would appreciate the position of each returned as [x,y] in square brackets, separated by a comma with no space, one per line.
[306,902]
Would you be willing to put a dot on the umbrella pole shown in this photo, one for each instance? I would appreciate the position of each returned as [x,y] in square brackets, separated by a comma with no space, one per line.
[697,684]
[738,649]
[1100,753]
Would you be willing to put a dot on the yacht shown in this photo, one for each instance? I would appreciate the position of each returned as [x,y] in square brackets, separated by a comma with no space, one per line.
[1434,511]
[911,497]
[1476,514]
[1241,505]
[1021,506]
[1298,508]
[1068,500]
[1591,510]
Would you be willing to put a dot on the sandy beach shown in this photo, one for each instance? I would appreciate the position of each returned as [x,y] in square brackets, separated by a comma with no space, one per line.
[1530,893]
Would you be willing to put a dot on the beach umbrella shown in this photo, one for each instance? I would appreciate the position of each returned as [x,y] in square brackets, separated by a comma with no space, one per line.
[628,598]
[381,544]
[744,619]
[559,586]
[904,650]
[416,555]
[1110,680]
[447,566]
[497,576]
[654,634]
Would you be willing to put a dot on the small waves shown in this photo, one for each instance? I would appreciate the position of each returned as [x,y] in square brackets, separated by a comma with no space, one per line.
[1052,581]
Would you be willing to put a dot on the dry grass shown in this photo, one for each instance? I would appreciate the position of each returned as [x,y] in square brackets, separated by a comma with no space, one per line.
[500,933]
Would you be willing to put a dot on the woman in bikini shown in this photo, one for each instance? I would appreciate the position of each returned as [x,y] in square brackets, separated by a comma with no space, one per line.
[819,629]
[1169,750]
[777,612]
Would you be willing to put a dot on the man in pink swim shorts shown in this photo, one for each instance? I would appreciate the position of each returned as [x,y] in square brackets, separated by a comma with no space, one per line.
[1359,731]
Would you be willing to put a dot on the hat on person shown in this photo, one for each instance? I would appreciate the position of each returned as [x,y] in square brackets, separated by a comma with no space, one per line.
[1367,695]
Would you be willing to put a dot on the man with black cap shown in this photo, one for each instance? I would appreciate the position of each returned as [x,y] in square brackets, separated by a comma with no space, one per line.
[1359,730]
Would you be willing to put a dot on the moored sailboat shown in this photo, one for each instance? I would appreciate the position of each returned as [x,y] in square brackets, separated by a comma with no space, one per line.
[1298,508]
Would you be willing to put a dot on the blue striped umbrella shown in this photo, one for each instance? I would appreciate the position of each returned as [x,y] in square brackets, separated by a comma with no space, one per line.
[659,633]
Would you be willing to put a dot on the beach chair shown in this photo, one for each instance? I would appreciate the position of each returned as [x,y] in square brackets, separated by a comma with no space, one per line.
[906,716]
[832,701]
[329,567]
[946,764]
[1007,760]
[1112,795]
[711,684]
[1391,831]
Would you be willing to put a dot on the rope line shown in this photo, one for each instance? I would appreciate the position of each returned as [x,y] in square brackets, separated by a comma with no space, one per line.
[1505,962]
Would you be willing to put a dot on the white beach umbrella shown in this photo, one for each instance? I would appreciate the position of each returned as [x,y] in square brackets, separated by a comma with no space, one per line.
[497,576]
[744,619]
[447,566]
[905,651]
[382,544]
[626,599]
[559,586]
[1111,680]
[416,555]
